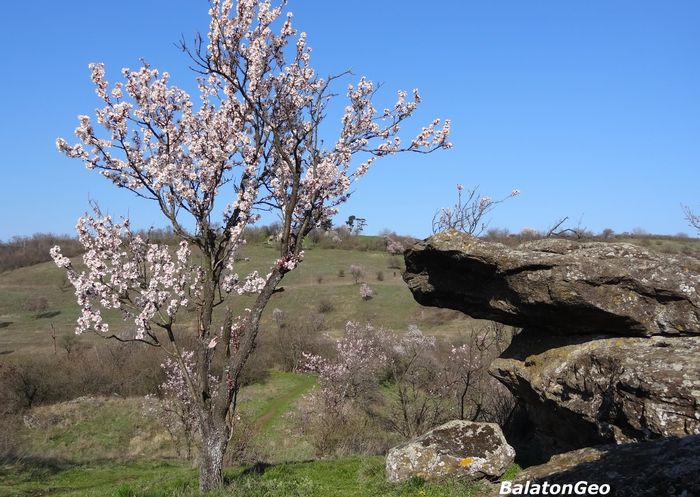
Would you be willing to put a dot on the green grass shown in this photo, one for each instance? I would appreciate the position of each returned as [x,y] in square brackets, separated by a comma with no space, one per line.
[350,477]
[92,428]
[511,472]
[114,428]
[277,439]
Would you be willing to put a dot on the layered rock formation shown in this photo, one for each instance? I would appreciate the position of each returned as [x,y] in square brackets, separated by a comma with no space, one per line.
[610,340]
[457,449]
[559,285]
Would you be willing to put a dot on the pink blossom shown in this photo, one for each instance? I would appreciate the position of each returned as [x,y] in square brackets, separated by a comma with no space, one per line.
[365,291]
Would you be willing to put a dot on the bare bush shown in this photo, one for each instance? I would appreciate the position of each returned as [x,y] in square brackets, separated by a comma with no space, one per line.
[25,383]
[692,218]
[332,434]
[36,304]
[468,215]
[69,342]
[418,385]
[291,341]
[394,263]
[10,426]
[325,306]
[478,396]
[561,229]
[103,369]
[242,450]
[356,272]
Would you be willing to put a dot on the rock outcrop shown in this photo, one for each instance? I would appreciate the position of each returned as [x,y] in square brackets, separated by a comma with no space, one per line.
[559,285]
[457,449]
[610,344]
[666,467]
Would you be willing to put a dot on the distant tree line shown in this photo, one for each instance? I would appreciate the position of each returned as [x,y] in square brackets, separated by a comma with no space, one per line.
[21,251]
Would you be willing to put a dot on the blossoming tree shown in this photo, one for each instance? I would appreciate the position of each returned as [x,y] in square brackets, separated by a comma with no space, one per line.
[252,142]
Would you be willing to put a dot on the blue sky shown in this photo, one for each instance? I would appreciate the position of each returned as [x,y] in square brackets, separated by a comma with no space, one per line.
[590,107]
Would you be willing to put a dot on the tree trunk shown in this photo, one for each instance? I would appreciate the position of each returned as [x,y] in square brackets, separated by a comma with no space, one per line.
[211,465]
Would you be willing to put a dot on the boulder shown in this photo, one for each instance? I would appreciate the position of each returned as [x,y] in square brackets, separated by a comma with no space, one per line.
[605,389]
[559,285]
[665,467]
[457,449]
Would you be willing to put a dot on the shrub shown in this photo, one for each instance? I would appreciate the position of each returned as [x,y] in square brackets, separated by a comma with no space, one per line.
[285,348]
[102,369]
[356,272]
[279,316]
[324,306]
[341,273]
[69,342]
[36,304]
[394,262]
[334,417]
[378,387]
[10,426]
[469,213]
[380,276]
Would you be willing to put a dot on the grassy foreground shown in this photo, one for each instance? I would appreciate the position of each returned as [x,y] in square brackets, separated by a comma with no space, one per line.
[117,429]
[351,477]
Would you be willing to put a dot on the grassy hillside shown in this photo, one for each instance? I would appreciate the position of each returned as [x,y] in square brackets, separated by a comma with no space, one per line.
[317,279]
[119,429]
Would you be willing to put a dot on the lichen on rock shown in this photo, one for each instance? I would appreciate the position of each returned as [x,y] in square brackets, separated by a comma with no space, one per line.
[457,449]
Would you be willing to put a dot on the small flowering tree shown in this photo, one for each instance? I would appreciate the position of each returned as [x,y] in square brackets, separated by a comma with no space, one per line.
[420,384]
[394,247]
[175,408]
[468,214]
[251,143]
[366,292]
[359,356]
[346,382]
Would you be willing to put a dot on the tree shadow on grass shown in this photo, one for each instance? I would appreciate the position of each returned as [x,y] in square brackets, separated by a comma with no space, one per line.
[5,324]
[48,314]
[36,465]
[257,469]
